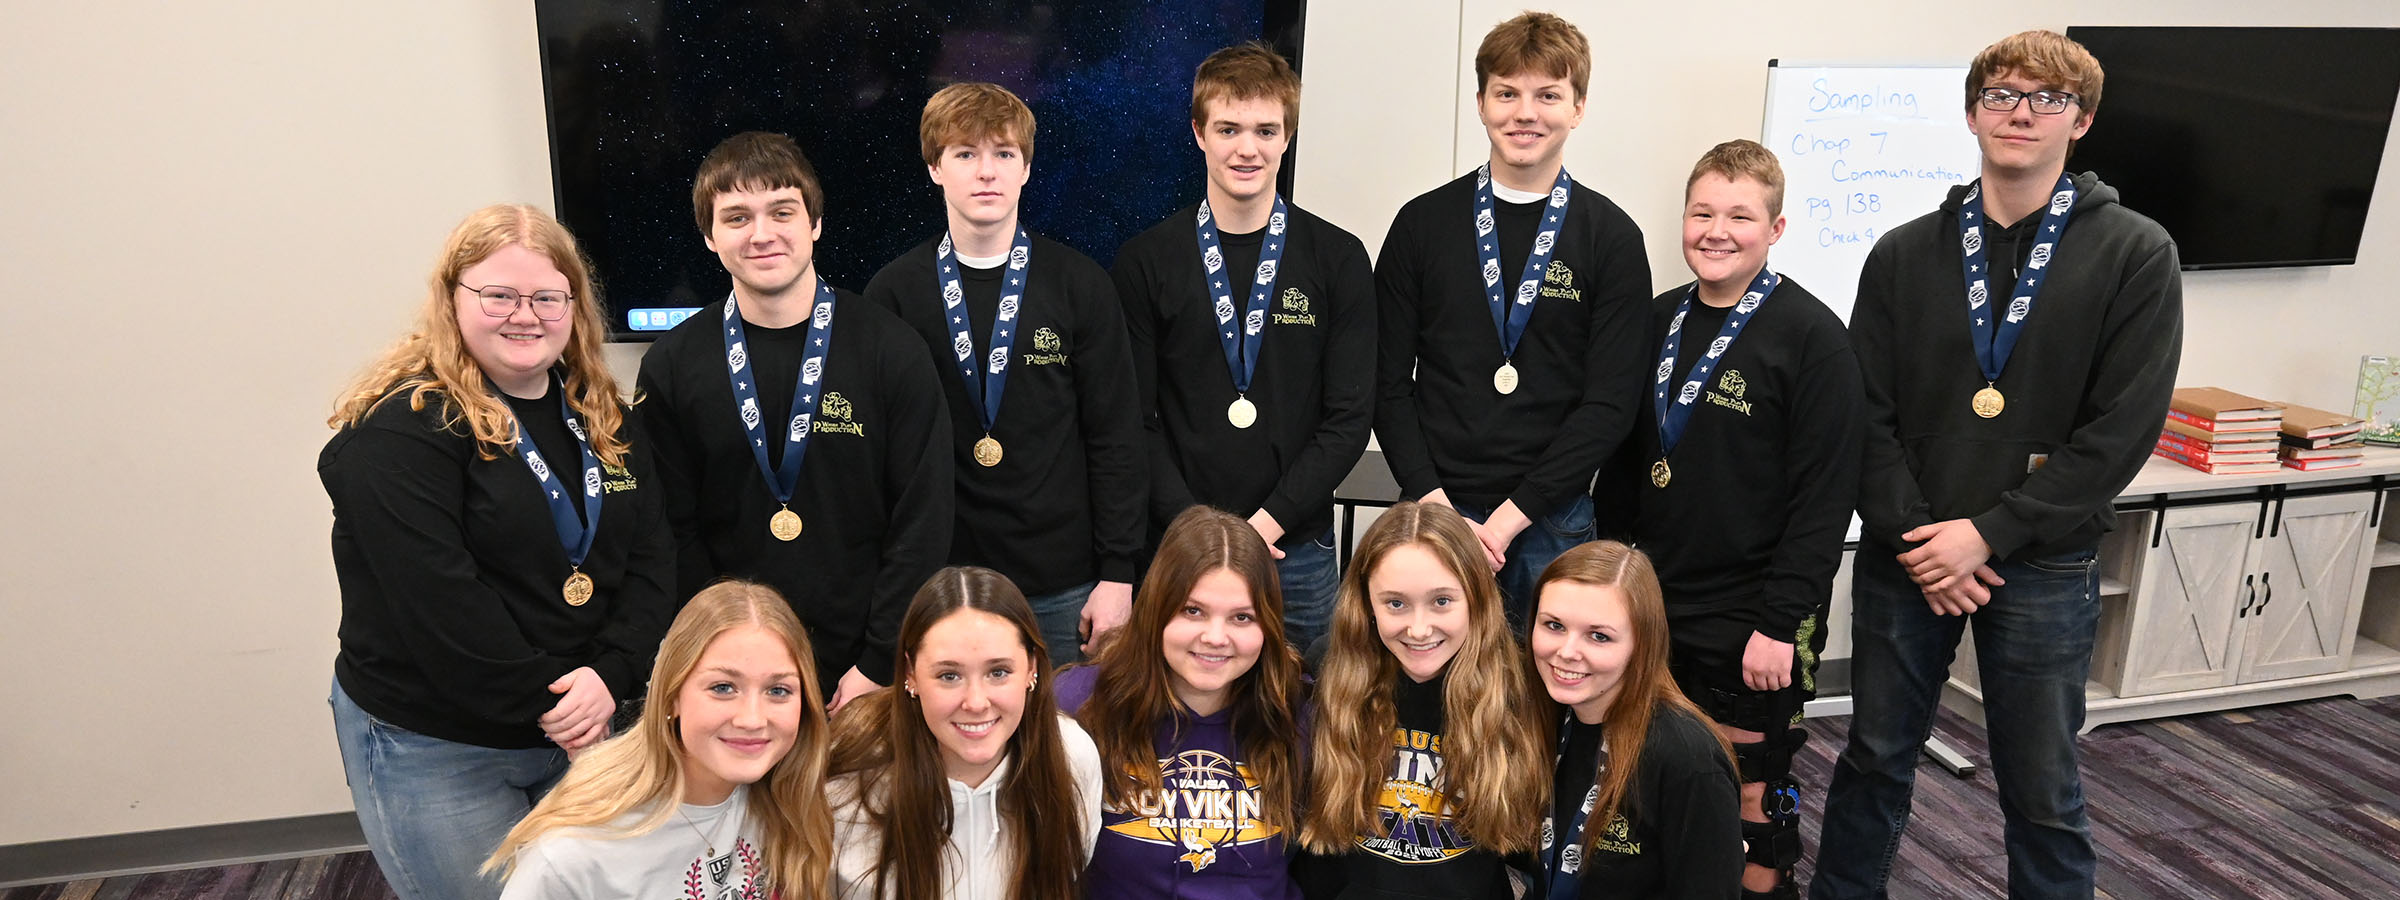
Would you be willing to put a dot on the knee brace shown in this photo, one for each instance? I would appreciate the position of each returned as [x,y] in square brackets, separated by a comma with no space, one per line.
[1775,843]
[1769,760]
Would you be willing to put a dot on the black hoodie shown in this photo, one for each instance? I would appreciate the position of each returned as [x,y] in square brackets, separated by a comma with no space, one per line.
[2086,387]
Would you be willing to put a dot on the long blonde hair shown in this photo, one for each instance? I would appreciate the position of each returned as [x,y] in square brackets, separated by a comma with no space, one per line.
[643,768]
[431,364]
[1494,765]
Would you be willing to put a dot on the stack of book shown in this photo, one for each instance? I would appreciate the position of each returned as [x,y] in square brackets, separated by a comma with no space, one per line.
[2221,432]
[2316,439]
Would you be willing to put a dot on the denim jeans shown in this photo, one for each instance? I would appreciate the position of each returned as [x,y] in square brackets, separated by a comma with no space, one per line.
[2033,648]
[433,809]
[1532,551]
[1061,616]
[1311,584]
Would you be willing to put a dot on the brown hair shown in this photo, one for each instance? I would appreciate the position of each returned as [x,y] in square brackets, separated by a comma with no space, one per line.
[881,739]
[972,111]
[1738,159]
[2043,57]
[1536,43]
[1492,758]
[754,161]
[1132,693]
[431,364]
[1249,71]
[1645,687]
[644,766]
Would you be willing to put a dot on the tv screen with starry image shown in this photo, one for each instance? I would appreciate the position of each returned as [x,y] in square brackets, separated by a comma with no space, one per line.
[639,91]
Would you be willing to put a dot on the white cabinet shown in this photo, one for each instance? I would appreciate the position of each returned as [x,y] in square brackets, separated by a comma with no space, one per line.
[2253,591]
[2195,578]
[2311,571]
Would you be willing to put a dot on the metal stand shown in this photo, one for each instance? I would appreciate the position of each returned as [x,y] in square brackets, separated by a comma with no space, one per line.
[1949,758]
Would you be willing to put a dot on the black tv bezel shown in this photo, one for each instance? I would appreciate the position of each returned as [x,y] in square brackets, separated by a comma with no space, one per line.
[1283,26]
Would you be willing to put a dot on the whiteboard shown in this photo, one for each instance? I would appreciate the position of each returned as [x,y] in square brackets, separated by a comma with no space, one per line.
[1863,148]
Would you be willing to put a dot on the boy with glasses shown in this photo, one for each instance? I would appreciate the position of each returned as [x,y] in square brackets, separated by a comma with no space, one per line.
[1512,300]
[798,430]
[2018,347]
[1030,344]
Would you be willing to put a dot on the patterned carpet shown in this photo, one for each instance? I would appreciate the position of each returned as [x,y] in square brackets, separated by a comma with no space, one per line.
[2294,801]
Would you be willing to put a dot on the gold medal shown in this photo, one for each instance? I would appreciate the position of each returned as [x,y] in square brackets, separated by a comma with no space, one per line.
[1660,474]
[1242,413]
[1988,402]
[785,524]
[578,589]
[1504,379]
[987,452]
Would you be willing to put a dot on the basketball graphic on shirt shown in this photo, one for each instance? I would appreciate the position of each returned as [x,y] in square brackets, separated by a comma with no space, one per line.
[2040,258]
[2018,308]
[541,467]
[1973,240]
[736,357]
[1213,259]
[1210,805]
[1412,824]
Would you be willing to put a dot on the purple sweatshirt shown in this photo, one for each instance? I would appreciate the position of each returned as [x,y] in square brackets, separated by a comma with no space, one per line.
[1202,839]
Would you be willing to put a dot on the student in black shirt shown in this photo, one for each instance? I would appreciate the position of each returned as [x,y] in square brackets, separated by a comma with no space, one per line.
[1742,473]
[1511,355]
[2018,346]
[1253,355]
[1050,487]
[504,562]
[1643,802]
[800,432]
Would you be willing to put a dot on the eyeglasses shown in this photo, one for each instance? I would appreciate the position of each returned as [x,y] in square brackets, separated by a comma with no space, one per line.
[2047,103]
[501,301]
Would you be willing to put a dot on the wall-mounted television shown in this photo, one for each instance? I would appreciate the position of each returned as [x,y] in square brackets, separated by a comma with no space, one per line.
[638,92]
[2255,147]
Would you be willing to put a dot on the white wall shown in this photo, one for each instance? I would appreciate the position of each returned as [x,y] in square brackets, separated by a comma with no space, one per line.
[215,214]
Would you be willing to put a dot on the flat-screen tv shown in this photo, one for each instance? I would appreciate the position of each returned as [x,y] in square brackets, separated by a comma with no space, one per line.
[2255,147]
[638,92]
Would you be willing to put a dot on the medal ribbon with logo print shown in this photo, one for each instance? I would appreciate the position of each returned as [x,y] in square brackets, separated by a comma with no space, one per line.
[985,392]
[574,532]
[1510,324]
[786,524]
[1674,414]
[1993,346]
[1241,340]
[1563,859]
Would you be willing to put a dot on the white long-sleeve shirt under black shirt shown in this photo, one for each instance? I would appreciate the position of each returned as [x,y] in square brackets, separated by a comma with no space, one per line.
[1064,507]
[1581,361]
[1312,385]
[874,495]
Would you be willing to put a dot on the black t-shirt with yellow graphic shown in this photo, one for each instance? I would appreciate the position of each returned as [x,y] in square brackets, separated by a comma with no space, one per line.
[1415,847]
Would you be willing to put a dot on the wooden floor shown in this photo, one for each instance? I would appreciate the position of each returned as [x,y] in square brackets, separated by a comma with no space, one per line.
[2295,801]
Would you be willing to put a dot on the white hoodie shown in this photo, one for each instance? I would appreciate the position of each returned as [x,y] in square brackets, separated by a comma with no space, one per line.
[973,866]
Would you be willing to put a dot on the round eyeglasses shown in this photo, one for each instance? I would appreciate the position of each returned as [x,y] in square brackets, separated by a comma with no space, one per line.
[501,301]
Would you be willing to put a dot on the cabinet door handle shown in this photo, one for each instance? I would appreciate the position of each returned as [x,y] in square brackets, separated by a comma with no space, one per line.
[2270,586]
[2250,595]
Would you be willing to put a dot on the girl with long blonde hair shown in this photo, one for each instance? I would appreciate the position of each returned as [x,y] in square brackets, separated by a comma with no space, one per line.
[1196,707]
[1644,802]
[718,789]
[502,552]
[962,781]
[1426,767]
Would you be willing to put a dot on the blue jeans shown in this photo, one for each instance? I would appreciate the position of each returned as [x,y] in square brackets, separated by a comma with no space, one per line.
[1532,551]
[1311,583]
[2033,647]
[1061,616]
[433,809]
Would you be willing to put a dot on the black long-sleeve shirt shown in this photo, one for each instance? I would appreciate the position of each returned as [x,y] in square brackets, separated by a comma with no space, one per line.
[1680,837]
[874,496]
[1581,361]
[1766,473]
[2087,384]
[1312,385]
[1065,505]
[453,624]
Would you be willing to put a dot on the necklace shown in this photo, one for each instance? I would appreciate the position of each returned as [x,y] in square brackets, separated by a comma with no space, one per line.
[705,839]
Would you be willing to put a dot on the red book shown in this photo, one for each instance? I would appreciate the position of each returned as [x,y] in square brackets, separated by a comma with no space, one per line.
[2218,409]
[2311,465]
[2204,451]
[2217,468]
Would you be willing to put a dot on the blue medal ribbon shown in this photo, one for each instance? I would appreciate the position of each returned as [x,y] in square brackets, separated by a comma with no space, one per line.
[1241,341]
[1676,412]
[1993,346]
[804,394]
[575,532]
[1563,859]
[1487,241]
[985,391]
